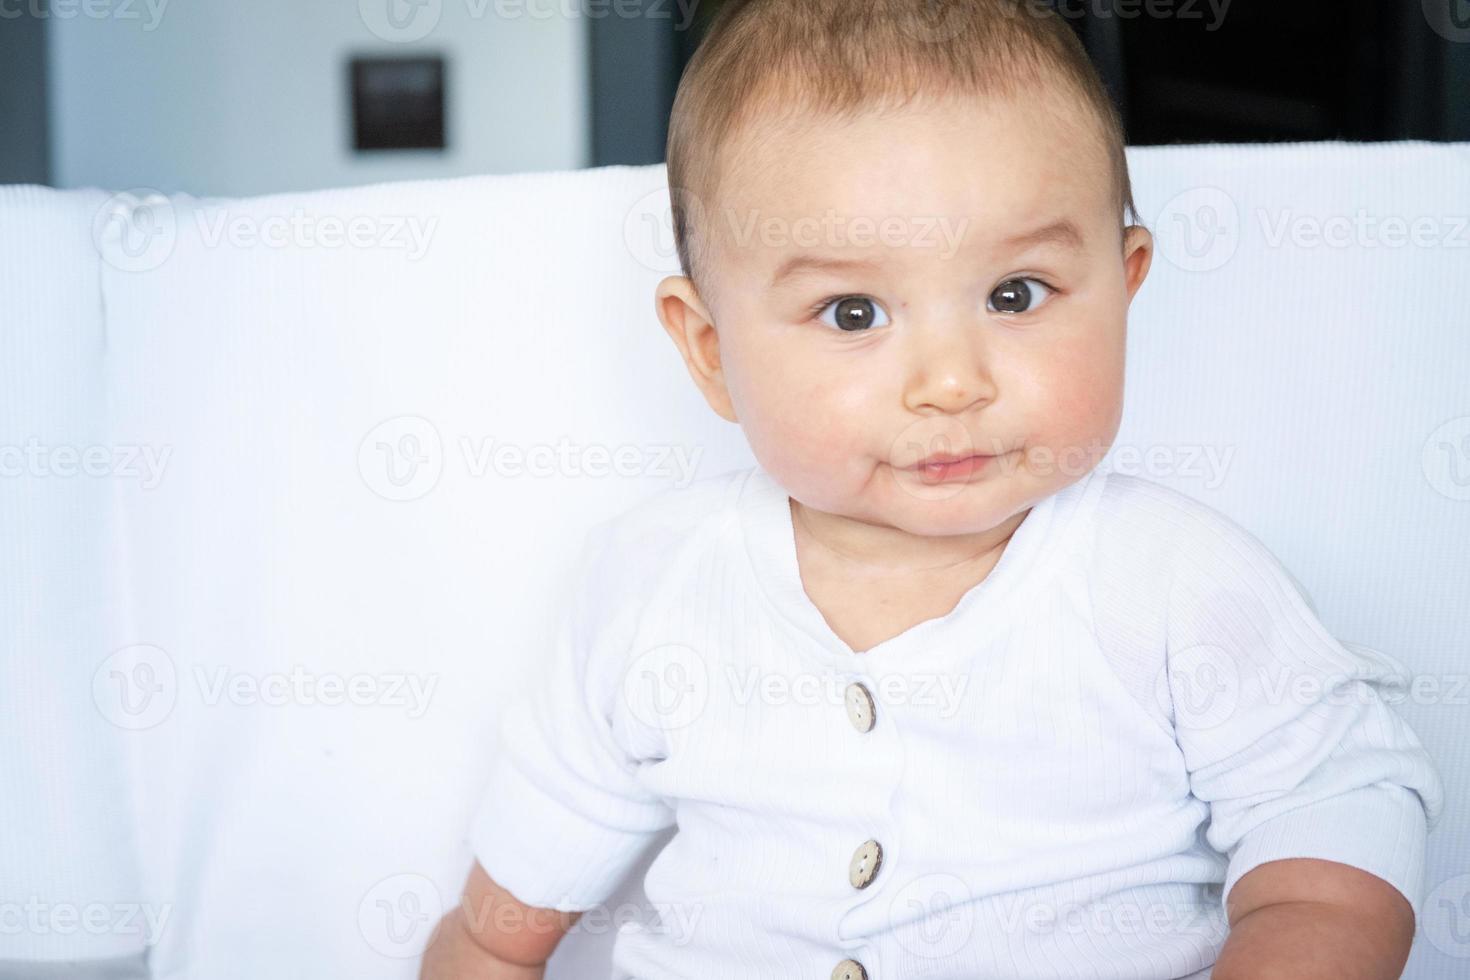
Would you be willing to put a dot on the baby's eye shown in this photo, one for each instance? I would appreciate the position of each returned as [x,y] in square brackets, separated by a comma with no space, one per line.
[854,314]
[1018,295]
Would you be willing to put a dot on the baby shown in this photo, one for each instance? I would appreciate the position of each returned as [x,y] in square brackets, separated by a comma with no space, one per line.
[927,692]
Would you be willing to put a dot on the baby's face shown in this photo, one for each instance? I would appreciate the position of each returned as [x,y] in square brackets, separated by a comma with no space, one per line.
[946,280]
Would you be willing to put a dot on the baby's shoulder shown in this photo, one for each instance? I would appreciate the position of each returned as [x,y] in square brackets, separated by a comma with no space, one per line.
[1146,530]
[640,548]
[1136,514]
[672,517]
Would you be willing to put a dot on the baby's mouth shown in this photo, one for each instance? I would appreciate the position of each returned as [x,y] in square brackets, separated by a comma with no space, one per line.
[952,467]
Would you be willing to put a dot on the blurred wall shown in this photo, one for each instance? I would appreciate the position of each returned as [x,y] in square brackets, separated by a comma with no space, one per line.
[22,99]
[635,71]
[1459,89]
[232,98]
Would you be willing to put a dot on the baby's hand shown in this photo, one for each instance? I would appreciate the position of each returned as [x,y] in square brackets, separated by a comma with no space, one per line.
[491,935]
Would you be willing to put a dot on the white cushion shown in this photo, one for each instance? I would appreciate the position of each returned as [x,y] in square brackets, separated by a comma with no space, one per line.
[67,849]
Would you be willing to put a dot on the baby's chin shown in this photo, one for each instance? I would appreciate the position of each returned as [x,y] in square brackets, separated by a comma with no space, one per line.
[971,507]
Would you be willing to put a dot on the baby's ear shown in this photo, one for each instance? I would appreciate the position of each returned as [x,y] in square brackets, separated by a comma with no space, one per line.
[1138,255]
[691,327]
[683,314]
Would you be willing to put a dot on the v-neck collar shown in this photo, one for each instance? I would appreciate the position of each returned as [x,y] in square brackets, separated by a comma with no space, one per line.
[770,539]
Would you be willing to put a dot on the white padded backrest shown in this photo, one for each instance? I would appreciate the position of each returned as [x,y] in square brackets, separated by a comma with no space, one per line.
[66,839]
[382,446]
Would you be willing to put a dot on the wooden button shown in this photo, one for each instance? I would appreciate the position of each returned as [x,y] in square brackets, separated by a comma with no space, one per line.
[849,970]
[865,863]
[860,708]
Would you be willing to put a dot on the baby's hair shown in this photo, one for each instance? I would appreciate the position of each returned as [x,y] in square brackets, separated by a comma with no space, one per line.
[790,58]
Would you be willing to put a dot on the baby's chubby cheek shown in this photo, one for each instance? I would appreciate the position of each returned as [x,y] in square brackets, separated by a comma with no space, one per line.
[1078,410]
[810,427]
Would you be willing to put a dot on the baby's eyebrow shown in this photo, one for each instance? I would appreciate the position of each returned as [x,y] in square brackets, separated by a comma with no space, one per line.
[1061,232]
[798,264]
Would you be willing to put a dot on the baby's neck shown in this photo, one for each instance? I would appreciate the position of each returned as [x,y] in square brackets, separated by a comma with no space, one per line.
[867,602]
[875,551]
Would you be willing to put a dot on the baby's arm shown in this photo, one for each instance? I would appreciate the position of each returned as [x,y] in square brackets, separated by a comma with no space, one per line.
[491,935]
[563,816]
[1320,795]
[1305,917]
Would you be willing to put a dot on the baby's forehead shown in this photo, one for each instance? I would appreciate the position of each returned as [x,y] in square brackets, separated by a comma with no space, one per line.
[981,157]
[930,190]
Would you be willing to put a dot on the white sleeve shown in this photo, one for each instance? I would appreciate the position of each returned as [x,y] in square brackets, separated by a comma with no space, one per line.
[563,816]
[1287,733]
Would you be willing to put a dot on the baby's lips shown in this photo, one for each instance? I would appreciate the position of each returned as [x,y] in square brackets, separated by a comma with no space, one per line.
[929,439]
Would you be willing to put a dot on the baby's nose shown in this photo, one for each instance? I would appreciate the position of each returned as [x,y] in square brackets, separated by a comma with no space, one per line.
[948,369]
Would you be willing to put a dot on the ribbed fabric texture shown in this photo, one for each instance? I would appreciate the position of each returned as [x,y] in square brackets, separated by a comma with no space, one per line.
[1066,775]
[68,837]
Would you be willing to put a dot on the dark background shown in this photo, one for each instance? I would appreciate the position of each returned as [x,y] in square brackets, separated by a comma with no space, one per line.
[1271,70]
